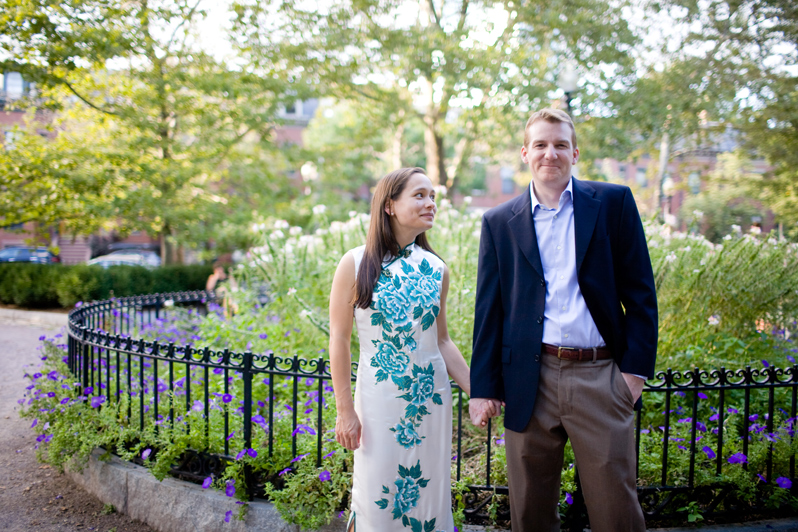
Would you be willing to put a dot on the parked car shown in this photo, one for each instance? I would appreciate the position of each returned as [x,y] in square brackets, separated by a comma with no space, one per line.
[149,256]
[38,255]
[120,259]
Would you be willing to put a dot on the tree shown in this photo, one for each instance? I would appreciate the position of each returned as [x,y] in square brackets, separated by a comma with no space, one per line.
[152,124]
[468,68]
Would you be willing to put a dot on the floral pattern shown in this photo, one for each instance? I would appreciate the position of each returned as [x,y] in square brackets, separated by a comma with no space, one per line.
[406,302]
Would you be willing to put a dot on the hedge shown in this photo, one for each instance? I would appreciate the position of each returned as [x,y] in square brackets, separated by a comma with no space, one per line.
[54,285]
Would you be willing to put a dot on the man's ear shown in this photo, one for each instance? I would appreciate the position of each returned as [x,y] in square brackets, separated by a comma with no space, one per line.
[576,155]
[523,154]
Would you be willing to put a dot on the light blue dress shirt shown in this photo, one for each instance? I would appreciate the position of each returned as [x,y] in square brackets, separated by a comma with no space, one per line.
[566,319]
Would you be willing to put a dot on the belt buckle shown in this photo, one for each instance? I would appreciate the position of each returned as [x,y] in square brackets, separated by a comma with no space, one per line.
[560,349]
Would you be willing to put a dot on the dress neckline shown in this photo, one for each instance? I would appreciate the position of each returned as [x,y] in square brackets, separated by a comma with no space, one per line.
[403,254]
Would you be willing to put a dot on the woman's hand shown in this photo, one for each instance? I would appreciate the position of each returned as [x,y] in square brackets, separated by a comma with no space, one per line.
[347,430]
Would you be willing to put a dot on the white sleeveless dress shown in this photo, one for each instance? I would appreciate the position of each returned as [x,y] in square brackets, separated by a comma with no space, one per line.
[402,472]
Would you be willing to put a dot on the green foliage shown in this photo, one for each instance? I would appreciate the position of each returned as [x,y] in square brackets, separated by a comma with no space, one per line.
[146,131]
[55,285]
[312,496]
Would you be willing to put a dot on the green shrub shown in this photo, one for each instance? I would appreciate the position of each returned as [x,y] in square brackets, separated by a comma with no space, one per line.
[49,286]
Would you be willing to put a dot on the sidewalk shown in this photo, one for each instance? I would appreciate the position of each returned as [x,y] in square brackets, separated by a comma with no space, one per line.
[35,318]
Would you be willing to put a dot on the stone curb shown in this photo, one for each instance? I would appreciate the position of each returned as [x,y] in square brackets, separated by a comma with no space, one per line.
[38,318]
[177,506]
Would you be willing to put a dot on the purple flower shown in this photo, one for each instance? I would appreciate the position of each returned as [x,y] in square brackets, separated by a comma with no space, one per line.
[217,371]
[263,336]
[784,482]
[702,395]
[324,476]
[228,515]
[766,363]
[146,454]
[88,390]
[230,488]
[226,398]
[682,447]
[328,455]
[791,359]
[714,417]
[284,471]
[300,457]
[737,458]
[35,421]
[710,453]
[197,406]
[230,436]
[207,483]
[753,417]
[65,400]
[97,401]
[303,429]
[761,478]
[731,410]
[252,453]
[241,454]
[42,338]
[568,498]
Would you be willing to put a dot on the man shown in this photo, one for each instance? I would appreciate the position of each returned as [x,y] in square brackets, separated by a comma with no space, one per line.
[565,333]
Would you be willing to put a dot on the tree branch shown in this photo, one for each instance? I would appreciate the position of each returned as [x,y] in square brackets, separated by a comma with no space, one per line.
[187,17]
[463,11]
[84,100]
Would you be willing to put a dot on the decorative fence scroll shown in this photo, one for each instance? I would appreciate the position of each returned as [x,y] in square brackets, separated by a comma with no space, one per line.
[700,436]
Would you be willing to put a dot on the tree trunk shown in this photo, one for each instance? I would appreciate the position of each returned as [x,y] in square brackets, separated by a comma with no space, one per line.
[433,148]
[664,154]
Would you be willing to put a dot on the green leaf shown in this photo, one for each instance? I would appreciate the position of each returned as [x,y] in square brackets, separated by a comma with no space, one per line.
[423,482]
[415,525]
[435,310]
[381,375]
[403,471]
[385,489]
[382,503]
[436,398]
[405,521]
[407,268]
[427,321]
[415,471]
[417,312]
[429,526]
[377,319]
[437,276]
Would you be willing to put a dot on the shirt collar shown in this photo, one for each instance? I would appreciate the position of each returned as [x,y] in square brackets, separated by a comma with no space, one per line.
[569,189]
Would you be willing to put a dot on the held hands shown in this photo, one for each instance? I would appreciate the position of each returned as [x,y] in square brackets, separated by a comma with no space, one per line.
[481,410]
[347,430]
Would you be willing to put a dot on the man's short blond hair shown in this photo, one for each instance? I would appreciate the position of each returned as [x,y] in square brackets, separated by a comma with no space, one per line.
[549,115]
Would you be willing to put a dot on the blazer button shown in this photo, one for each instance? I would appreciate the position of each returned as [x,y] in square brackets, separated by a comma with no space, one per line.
[540,319]
[537,358]
[542,282]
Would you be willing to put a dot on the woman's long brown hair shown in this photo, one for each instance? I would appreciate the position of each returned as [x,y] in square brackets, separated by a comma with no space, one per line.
[380,241]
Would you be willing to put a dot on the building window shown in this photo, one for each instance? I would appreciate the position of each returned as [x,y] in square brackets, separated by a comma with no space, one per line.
[694,182]
[14,85]
[640,177]
[508,185]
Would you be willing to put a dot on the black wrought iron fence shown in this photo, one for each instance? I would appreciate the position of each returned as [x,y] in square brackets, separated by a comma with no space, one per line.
[700,437]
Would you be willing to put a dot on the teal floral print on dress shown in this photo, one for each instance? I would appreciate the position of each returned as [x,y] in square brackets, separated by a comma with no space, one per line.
[408,487]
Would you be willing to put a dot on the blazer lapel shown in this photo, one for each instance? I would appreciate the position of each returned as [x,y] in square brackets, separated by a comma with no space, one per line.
[586,209]
[523,229]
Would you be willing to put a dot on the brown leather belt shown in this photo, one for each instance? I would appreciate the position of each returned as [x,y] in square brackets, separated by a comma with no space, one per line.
[575,353]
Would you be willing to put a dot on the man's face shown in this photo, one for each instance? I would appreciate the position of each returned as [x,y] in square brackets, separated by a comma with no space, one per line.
[550,153]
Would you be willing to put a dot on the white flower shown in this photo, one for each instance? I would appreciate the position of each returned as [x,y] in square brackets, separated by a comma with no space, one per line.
[698,215]
[352,214]
[305,313]
[671,257]
[277,234]
[321,231]
[440,190]
[755,230]
[336,227]
[727,237]
[444,203]
[295,231]
[291,291]
[319,209]
[736,228]
[713,320]
[467,200]
[281,224]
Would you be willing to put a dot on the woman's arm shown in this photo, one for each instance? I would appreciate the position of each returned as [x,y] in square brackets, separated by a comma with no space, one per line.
[347,424]
[455,363]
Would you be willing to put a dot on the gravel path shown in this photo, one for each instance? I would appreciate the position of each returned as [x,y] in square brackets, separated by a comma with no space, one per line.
[33,496]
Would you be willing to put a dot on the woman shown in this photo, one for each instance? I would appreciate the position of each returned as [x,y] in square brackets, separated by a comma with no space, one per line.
[400,422]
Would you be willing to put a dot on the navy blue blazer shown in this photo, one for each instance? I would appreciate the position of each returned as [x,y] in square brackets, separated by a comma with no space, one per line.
[614,274]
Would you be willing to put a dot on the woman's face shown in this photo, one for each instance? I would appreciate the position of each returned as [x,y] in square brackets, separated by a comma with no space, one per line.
[414,210]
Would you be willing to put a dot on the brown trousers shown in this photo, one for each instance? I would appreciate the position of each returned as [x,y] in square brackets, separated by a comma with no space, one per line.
[590,404]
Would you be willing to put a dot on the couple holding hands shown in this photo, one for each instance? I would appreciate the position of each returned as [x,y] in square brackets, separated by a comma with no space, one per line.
[565,334]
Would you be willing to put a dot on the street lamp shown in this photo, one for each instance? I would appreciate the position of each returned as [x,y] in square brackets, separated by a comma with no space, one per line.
[568,81]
